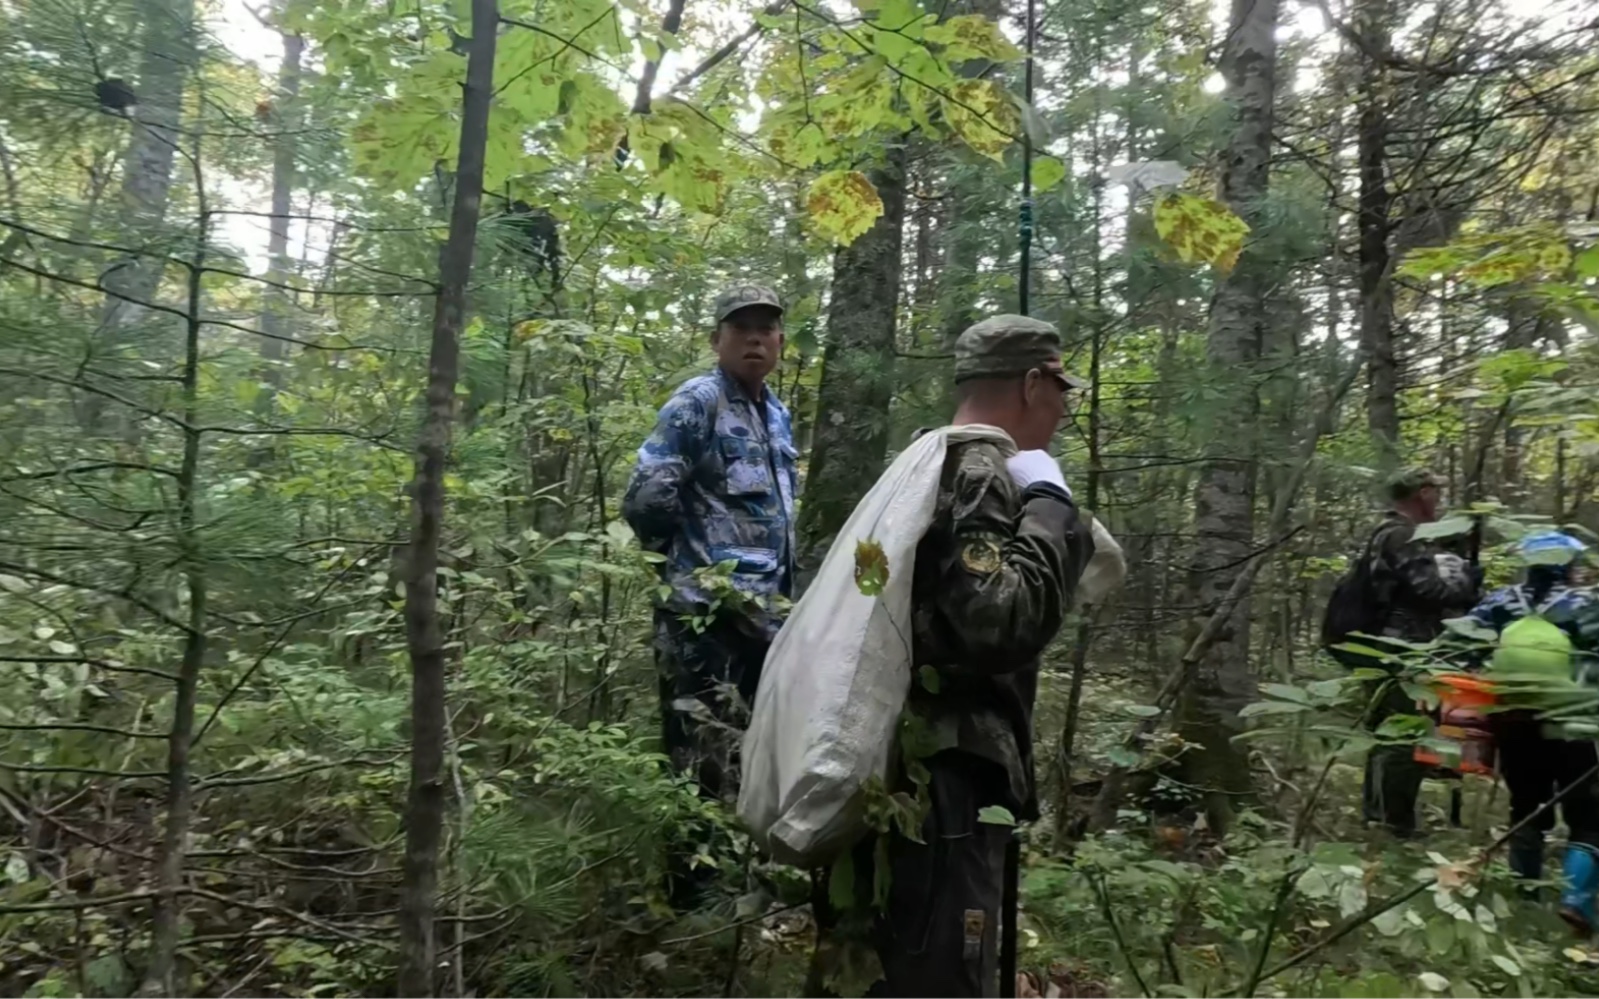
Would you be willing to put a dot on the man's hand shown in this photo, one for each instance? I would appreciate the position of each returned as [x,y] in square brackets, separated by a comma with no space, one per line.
[1028,467]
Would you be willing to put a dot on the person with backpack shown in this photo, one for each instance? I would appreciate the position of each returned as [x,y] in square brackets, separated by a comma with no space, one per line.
[1545,629]
[714,487]
[1398,587]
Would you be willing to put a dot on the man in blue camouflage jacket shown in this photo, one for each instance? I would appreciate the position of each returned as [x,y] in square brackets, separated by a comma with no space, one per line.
[714,493]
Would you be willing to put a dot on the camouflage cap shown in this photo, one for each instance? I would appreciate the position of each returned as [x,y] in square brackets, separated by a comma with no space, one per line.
[1407,482]
[1005,346]
[743,296]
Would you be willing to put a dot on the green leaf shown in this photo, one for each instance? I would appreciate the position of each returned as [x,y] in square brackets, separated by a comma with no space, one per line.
[1448,527]
[1326,690]
[1272,708]
[1047,172]
[12,584]
[1286,692]
[996,815]
[1122,757]
[1402,727]
[1141,710]
[1440,936]
[1508,966]
[882,873]
[931,681]
[1586,263]
[843,205]
[841,883]
[108,975]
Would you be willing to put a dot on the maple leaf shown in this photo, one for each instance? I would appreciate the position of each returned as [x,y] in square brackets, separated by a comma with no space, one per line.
[843,205]
[1200,229]
[984,116]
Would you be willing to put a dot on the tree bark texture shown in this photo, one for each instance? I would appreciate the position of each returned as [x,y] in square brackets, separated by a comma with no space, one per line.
[280,266]
[851,430]
[1373,219]
[424,814]
[160,976]
[1221,682]
[167,55]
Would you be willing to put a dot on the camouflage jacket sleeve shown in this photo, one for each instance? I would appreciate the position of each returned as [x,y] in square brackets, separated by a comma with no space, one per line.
[1006,564]
[1426,573]
[653,503]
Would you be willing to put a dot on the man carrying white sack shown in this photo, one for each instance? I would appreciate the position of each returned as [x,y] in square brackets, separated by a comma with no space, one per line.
[993,580]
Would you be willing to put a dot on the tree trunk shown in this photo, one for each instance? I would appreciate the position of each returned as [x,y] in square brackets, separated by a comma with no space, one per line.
[1221,683]
[851,429]
[168,52]
[1376,298]
[159,975]
[424,814]
[280,266]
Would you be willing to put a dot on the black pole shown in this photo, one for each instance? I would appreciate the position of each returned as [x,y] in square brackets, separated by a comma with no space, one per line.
[1009,900]
[1009,906]
[1026,215]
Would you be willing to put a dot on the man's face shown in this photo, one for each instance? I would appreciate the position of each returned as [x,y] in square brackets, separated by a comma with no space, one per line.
[749,342]
[1043,409]
[1427,503]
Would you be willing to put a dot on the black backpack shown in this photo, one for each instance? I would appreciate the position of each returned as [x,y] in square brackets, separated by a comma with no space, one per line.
[1359,604]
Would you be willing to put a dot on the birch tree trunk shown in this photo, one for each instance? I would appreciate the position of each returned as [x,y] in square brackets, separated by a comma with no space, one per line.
[1221,682]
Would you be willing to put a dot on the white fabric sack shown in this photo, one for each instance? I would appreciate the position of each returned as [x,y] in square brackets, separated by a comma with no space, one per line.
[837,674]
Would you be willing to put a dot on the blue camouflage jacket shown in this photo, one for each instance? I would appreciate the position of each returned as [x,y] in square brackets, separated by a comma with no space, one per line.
[716,482]
[1510,603]
[1574,609]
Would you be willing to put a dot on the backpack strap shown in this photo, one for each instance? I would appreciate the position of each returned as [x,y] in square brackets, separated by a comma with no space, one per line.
[1521,601]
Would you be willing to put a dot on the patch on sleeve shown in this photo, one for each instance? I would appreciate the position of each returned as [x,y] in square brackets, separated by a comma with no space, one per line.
[977,471]
[982,555]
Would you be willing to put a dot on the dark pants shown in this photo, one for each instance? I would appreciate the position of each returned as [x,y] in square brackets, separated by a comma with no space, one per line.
[1536,768]
[938,935]
[707,683]
[1393,777]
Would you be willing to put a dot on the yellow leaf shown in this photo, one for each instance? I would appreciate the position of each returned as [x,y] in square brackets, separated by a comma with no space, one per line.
[843,204]
[983,116]
[871,567]
[1047,172]
[1200,230]
[972,36]
[1453,876]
